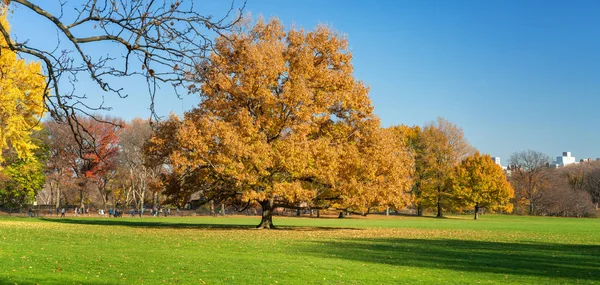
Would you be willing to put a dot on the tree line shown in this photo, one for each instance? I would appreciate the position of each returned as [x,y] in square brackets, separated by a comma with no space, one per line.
[281,123]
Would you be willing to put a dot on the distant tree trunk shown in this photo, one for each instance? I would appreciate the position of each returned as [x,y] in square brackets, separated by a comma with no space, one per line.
[81,198]
[141,206]
[57,196]
[318,213]
[439,205]
[212,208]
[297,212]
[476,210]
[530,208]
[267,215]
[222,209]
[341,216]
[419,210]
[387,211]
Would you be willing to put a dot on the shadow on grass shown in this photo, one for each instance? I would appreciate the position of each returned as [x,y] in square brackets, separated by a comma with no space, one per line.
[175,225]
[574,262]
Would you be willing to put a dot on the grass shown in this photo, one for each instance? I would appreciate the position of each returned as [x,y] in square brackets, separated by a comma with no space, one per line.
[374,250]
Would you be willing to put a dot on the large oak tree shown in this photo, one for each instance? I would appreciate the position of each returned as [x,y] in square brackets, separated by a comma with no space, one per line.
[283,122]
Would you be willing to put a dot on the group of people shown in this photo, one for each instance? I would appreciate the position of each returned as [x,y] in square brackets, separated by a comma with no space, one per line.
[161,211]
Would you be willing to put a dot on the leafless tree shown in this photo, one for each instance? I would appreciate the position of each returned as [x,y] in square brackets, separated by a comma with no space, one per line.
[591,184]
[530,175]
[159,41]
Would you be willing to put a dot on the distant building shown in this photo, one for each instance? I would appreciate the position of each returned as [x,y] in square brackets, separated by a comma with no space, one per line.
[565,159]
[496,159]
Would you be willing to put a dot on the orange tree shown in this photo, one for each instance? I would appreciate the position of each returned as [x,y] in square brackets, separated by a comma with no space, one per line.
[282,123]
[478,182]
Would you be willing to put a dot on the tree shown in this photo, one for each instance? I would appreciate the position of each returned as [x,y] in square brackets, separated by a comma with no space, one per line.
[282,122]
[158,41]
[23,179]
[412,138]
[443,147]
[62,158]
[529,175]
[591,184]
[477,181]
[139,175]
[22,100]
[97,159]
[93,161]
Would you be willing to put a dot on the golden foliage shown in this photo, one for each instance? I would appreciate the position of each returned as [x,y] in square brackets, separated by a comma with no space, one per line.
[478,180]
[22,88]
[282,118]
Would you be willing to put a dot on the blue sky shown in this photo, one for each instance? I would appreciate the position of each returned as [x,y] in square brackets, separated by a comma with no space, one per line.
[514,75]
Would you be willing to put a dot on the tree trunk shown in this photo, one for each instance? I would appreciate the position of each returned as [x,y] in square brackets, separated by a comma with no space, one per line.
[267,215]
[57,196]
[387,211]
[81,198]
[212,208]
[222,209]
[419,210]
[531,208]
[141,208]
[341,216]
[439,208]
[318,213]
[476,211]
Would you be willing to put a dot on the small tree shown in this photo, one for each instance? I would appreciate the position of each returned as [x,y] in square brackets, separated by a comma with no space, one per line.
[479,182]
[529,175]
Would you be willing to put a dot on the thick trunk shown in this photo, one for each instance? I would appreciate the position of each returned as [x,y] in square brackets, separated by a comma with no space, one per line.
[341,216]
[267,215]
[318,213]
[419,210]
[222,209]
[476,211]
[387,211]
[212,208]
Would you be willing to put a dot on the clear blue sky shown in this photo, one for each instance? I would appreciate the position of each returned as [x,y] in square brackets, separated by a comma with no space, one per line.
[514,74]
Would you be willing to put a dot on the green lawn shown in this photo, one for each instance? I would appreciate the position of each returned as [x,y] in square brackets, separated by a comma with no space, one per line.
[375,250]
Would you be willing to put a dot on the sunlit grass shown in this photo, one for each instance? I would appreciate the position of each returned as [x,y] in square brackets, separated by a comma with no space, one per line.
[375,250]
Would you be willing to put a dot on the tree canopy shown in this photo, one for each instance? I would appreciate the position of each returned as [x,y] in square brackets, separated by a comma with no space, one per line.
[22,87]
[477,181]
[283,122]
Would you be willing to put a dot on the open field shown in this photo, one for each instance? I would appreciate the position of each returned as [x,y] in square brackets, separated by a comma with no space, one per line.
[374,250]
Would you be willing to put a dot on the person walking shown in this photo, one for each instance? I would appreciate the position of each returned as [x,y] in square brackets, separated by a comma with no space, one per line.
[62,212]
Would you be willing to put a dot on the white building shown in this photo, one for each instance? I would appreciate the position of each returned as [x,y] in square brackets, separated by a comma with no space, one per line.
[496,159]
[565,159]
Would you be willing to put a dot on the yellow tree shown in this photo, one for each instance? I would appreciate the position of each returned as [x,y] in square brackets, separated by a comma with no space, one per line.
[282,122]
[479,182]
[22,88]
[412,138]
[443,147]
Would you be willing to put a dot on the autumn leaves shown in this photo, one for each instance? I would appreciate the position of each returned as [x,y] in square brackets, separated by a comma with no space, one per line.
[282,122]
